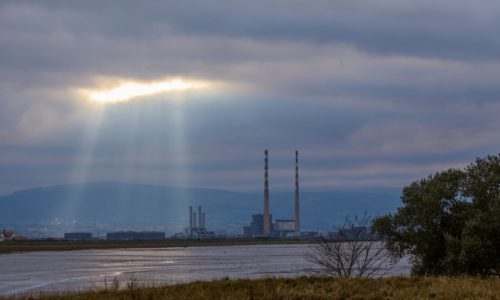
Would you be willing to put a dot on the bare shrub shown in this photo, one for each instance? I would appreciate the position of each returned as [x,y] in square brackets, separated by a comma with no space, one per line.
[134,288]
[351,251]
[116,284]
[133,284]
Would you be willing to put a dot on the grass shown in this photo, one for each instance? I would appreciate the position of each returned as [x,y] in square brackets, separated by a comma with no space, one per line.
[28,246]
[291,288]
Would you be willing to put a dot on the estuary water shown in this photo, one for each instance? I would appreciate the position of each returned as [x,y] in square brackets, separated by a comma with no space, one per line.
[72,270]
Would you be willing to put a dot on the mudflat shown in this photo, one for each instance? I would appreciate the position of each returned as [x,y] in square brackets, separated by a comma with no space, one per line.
[58,245]
[69,270]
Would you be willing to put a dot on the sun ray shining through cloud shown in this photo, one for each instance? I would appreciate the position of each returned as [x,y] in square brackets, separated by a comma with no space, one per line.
[83,162]
[182,171]
[130,90]
[84,159]
[185,100]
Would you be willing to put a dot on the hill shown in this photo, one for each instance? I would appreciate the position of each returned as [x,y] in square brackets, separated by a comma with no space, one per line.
[119,202]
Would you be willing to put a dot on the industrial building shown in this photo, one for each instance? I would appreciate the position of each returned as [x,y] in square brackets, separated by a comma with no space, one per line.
[283,227]
[78,236]
[196,230]
[133,235]
[256,228]
[262,224]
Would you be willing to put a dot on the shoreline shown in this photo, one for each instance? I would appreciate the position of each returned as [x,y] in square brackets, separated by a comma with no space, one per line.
[11,247]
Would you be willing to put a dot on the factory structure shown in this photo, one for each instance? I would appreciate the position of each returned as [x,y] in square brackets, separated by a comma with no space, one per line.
[262,224]
[196,230]
[78,236]
[134,235]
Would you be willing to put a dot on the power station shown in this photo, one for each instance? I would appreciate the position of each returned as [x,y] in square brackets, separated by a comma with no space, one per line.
[196,230]
[262,225]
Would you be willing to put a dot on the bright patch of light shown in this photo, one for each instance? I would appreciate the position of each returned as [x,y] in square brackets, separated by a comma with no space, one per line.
[131,89]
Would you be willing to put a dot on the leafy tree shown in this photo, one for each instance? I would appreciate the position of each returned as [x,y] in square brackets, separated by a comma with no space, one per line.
[450,222]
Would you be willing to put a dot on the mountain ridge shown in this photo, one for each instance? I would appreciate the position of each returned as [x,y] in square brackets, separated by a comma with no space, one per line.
[118,202]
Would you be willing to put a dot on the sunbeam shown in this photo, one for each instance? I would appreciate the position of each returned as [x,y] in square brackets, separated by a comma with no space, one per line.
[130,90]
[84,160]
[181,157]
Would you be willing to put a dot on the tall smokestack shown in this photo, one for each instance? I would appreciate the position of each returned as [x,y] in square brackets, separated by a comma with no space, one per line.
[267,230]
[203,220]
[190,217]
[199,216]
[194,220]
[297,212]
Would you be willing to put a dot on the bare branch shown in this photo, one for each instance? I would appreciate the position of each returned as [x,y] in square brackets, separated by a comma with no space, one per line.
[351,250]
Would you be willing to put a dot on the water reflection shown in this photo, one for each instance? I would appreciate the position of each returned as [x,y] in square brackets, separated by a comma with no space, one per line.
[86,268]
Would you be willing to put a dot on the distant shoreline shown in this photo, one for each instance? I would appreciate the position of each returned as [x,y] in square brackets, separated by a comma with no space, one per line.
[10,247]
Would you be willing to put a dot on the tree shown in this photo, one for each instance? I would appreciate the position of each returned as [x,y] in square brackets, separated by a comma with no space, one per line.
[352,250]
[449,222]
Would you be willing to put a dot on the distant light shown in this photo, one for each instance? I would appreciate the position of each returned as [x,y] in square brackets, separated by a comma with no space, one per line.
[131,89]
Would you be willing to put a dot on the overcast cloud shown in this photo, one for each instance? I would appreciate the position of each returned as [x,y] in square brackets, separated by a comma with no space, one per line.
[371,93]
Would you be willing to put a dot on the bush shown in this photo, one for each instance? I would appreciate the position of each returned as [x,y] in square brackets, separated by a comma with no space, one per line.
[449,223]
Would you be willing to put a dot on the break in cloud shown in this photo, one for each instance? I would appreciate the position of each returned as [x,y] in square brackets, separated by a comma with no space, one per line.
[371,93]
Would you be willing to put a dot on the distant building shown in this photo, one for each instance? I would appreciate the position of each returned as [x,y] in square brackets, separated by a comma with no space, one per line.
[256,228]
[196,233]
[7,235]
[19,238]
[303,235]
[133,235]
[78,236]
[196,230]
[222,232]
[283,227]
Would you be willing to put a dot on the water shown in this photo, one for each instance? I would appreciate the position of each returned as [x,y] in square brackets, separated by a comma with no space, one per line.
[70,270]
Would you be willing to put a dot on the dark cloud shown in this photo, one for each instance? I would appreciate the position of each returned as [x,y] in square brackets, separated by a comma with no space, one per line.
[448,30]
[369,93]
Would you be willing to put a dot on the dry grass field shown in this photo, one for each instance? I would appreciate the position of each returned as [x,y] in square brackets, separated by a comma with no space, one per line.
[292,288]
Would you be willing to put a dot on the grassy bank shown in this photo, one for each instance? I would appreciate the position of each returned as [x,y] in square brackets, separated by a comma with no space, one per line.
[27,246]
[296,288]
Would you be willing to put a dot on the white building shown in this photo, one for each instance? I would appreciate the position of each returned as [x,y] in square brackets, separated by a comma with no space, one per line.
[7,235]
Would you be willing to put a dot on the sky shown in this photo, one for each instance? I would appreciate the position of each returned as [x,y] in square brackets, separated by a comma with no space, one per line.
[191,93]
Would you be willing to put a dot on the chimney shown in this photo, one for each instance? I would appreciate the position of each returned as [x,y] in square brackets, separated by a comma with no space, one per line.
[190,217]
[267,228]
[194,220]
[203,220]
[297,212]
[199,216]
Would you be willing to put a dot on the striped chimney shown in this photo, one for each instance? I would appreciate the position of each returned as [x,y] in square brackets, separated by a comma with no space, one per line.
[190,217]
[267,228]
[199,216]
[297,212]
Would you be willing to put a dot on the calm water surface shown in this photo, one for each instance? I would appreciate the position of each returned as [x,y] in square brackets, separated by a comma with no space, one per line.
[70,270]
